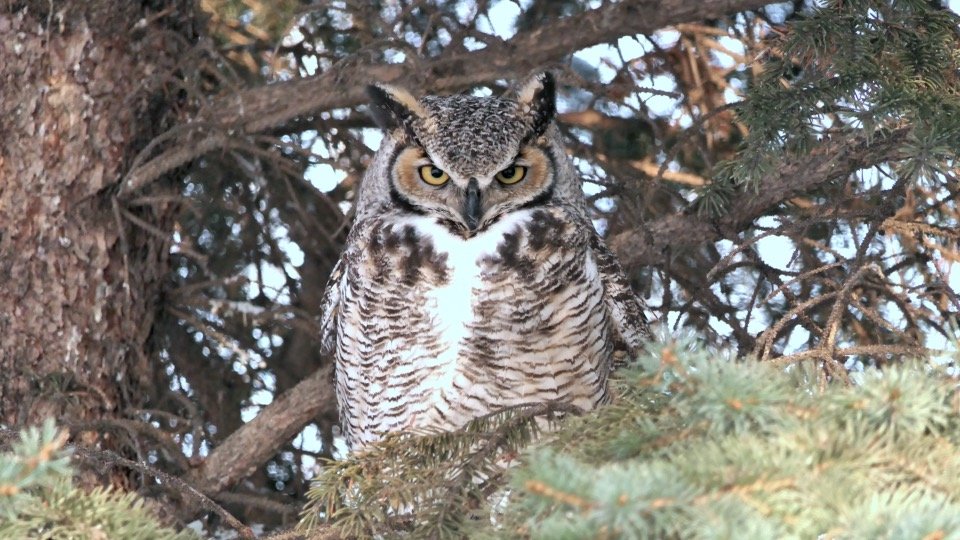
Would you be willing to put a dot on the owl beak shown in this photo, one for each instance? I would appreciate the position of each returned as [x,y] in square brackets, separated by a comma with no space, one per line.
[471,205]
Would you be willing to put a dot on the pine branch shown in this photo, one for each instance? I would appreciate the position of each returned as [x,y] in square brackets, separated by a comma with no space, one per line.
[38,500]
[427,485]
[707,446]
[272,105]
[258,440]
[259,109]
[697,444]
[659,239]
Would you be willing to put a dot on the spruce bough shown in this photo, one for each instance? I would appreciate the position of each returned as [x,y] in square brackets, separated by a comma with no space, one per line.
[38,498]
[699,445]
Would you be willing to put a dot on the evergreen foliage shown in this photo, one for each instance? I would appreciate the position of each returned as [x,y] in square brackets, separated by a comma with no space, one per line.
[849,69]
[38,499]
[424,484]
[708,447]
[697,445]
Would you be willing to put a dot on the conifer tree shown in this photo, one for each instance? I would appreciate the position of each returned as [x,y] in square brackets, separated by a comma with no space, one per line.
[779,182]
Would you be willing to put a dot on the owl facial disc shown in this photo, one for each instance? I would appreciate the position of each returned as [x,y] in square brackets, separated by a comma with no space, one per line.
[469,160]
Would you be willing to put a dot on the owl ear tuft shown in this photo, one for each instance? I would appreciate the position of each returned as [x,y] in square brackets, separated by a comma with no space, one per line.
[538,102]
[392,107]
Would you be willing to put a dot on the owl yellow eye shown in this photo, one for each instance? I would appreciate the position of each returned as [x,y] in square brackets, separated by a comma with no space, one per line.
[512,174]
[432,175]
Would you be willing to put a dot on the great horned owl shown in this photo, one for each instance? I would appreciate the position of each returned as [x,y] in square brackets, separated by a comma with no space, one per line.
[472,279]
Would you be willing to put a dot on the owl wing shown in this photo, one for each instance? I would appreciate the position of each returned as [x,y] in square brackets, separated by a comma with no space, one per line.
[625,308]
[330,307]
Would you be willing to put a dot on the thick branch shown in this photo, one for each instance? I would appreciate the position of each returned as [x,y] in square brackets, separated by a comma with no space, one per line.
[270,106]
[653,244]
[256,441]
[265,107]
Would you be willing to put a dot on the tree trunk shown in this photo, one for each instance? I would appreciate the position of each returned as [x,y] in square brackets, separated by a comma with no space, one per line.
[81,92]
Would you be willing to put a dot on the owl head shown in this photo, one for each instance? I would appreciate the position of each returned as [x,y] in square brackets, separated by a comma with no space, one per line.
[467,160]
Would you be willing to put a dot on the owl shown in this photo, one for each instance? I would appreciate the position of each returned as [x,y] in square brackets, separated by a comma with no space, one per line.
[472,279]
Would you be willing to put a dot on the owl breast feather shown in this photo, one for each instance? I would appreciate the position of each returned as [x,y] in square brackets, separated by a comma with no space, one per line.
[446,329]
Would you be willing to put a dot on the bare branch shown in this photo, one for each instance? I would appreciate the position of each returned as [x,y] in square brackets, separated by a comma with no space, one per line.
[269,106]
[256,441]
[272,105]
[653,244]
[169,482]
[866,350]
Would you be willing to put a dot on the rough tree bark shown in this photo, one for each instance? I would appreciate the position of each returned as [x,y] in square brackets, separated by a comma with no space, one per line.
[82,89]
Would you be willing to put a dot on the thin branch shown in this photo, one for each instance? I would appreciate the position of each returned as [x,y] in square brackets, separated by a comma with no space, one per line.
[866,350]
[179,486]
[656,240]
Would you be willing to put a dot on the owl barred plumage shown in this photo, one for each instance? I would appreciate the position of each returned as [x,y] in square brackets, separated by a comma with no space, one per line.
[472,279]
